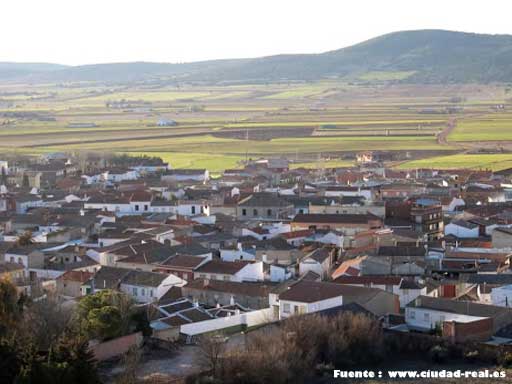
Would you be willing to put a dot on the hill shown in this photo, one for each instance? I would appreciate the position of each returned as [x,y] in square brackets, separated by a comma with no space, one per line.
[423,56]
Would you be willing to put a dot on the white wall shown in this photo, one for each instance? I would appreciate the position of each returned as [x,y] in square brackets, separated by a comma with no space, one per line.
[502,296]
[427,318]
[307,307]
[461,232]
[250,319]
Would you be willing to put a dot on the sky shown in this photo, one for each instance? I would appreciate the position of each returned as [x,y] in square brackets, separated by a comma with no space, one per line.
[77,32]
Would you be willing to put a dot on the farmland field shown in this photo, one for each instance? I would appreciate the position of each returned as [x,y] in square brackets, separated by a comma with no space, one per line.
[218,127]
[494,162]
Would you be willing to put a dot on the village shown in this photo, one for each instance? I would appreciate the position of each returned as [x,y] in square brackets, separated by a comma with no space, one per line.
[426,252]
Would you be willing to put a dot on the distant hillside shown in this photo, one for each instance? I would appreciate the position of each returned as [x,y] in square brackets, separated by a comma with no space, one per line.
[424,56]
[14,70]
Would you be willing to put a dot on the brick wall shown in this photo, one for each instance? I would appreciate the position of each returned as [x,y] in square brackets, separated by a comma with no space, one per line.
[479,330]
[116,347]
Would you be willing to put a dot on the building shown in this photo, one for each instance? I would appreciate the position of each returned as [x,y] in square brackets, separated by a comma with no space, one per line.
[264,205]
[230,271]
[457,320]
[310,296]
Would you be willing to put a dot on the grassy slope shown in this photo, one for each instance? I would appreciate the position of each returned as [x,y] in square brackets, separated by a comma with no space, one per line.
[485,161]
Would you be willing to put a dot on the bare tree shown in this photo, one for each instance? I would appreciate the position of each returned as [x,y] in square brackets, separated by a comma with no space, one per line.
[213,348]
[131,361]
[46,321]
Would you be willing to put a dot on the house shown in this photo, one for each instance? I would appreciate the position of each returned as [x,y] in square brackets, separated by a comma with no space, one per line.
[147,287]
[502,237]
[230,271]
[263,205]
[407,290]
[457,320]
[27,201]
[253,295]
[319,261]
[182,266]
[349,191]
[297,238]
[462,229]
[116,175]
[502,296]
[136,203]
[30,256]
[347,224]
[70,283]
[310,296]
[143,286]
[180,175]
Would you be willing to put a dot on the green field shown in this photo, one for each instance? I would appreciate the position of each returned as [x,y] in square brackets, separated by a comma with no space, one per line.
[494,162]
[192,160]
[491,128]
[218,126]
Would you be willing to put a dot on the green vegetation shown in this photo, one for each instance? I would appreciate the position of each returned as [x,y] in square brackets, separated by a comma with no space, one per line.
[497,128]
[194,160]
[218,126]
[495,162]
[408,56]
[386,76]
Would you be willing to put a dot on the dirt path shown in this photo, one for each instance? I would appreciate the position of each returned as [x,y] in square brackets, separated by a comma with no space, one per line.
[442,138]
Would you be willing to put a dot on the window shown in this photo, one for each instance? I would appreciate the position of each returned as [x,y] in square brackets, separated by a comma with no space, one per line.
[135,291]
[255,212]
[286,308]
[143,292]
[269,212]
[137,207]
[227,278]
[12,259]
[193,209]
[296,309]
[20,261]
[412,314]
[426,316]
[151,293]
[244,212]
[146,207]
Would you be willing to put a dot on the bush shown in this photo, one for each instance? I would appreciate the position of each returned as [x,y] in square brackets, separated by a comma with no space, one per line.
[300,347]
[506,360]
[438,354]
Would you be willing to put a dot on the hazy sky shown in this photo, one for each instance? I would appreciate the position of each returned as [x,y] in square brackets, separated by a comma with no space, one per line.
[94,31]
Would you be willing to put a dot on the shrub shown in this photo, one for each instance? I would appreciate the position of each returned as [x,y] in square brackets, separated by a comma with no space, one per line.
[438,354]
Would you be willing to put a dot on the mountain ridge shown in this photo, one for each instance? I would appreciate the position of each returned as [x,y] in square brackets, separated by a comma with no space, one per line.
[426,56]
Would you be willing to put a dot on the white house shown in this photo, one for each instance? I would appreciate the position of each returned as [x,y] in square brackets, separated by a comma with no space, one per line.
[192,208]
[118,175]
[307,296]
[147,287]
[177,175]
[502,296]
[406,290]
[230,271]
[462,229]
[279,273]
[428,313]
[319,261]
